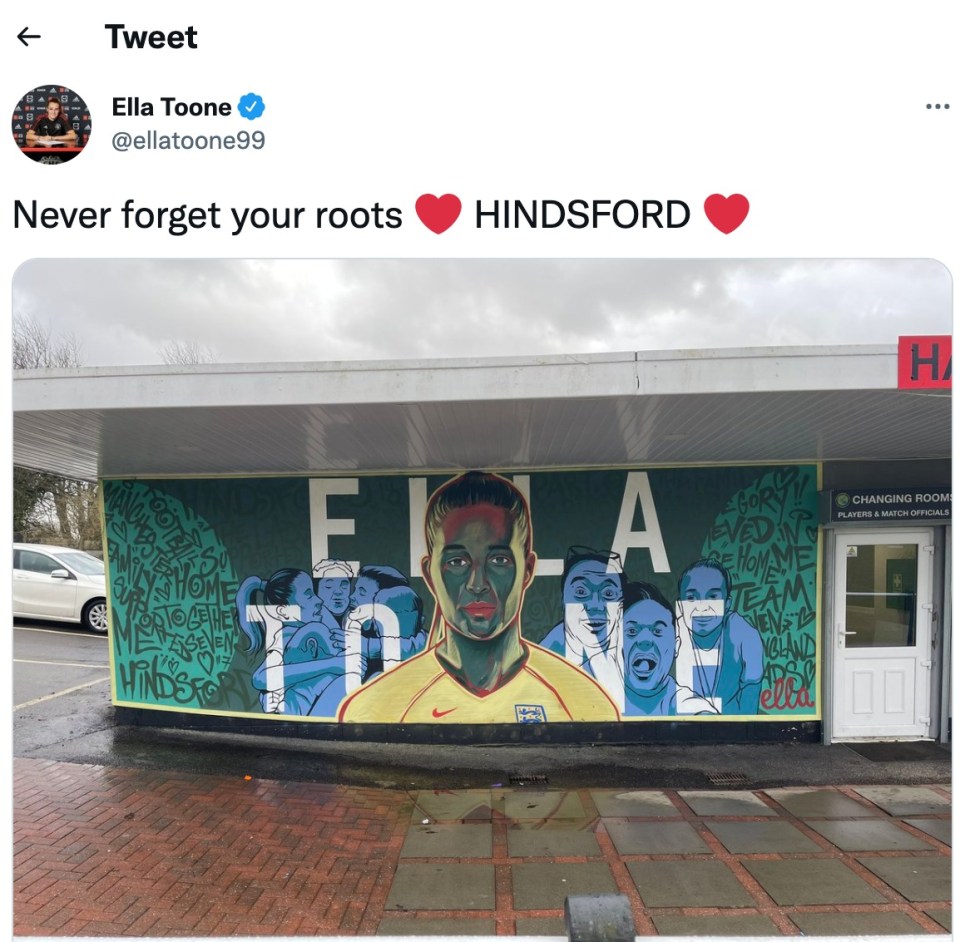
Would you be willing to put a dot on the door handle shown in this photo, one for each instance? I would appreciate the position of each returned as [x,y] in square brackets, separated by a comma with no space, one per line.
[841,634]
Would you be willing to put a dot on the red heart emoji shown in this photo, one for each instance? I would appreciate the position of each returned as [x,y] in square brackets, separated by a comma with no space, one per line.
[438,213]
[726,212]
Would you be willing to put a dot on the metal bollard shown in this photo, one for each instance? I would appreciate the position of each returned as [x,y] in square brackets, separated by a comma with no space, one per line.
[599,917]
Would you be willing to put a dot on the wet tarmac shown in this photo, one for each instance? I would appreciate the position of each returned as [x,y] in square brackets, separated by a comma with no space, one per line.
[66,716]
[406,765]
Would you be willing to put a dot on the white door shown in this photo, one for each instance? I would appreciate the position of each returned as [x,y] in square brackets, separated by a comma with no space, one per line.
[883,606]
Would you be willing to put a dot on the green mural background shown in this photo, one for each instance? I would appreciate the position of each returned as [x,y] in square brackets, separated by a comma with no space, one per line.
[177,551]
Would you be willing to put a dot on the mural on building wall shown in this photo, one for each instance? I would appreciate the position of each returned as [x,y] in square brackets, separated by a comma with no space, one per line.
[471,598]
[766,537]
[170,577]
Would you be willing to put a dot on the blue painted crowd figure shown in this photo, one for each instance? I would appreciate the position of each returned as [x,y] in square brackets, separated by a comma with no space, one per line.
[323,639]
[590,634]
[650,646]
[285,619]
[726,660]
[388,615]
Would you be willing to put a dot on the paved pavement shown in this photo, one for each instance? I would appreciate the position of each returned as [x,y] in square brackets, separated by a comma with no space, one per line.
[111,851]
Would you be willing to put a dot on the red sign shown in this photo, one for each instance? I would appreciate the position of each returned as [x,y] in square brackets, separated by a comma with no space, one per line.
[925,362]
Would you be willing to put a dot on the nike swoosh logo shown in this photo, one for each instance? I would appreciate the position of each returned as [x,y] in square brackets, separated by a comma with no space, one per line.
[438,713]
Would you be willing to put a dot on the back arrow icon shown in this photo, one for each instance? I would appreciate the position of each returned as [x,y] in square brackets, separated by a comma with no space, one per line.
[23,35]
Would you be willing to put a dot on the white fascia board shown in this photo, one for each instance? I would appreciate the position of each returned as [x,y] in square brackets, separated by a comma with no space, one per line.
[777,369]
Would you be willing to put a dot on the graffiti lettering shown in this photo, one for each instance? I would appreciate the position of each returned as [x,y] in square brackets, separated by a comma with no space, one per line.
[795,646]
[784,697]
[767,539]
[169,576]
[760,499]
[154,680]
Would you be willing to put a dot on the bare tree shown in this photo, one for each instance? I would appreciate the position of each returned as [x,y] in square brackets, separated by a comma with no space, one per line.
[35,347]
[46,507]
[185,353]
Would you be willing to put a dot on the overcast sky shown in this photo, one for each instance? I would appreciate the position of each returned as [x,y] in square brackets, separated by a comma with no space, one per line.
[125,311]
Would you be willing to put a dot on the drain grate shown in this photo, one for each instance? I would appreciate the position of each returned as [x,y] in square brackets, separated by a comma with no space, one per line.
[539,780]
[728,778]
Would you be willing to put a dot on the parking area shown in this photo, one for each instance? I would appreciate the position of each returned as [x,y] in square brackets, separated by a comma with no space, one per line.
[61,683]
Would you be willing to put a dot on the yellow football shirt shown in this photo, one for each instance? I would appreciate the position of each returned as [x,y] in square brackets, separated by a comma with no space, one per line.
[547,689]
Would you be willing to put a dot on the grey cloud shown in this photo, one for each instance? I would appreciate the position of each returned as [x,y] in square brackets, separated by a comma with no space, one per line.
[260,310]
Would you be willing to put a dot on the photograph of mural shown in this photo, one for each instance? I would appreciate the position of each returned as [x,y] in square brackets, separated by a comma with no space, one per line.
[478,597]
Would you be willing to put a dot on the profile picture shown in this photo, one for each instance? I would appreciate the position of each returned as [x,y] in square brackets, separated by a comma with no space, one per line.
[51,124]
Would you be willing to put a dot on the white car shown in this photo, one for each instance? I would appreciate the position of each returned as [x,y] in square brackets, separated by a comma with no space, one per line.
[61,584]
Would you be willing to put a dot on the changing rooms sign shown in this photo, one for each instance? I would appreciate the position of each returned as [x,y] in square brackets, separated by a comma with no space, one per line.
[903,503]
